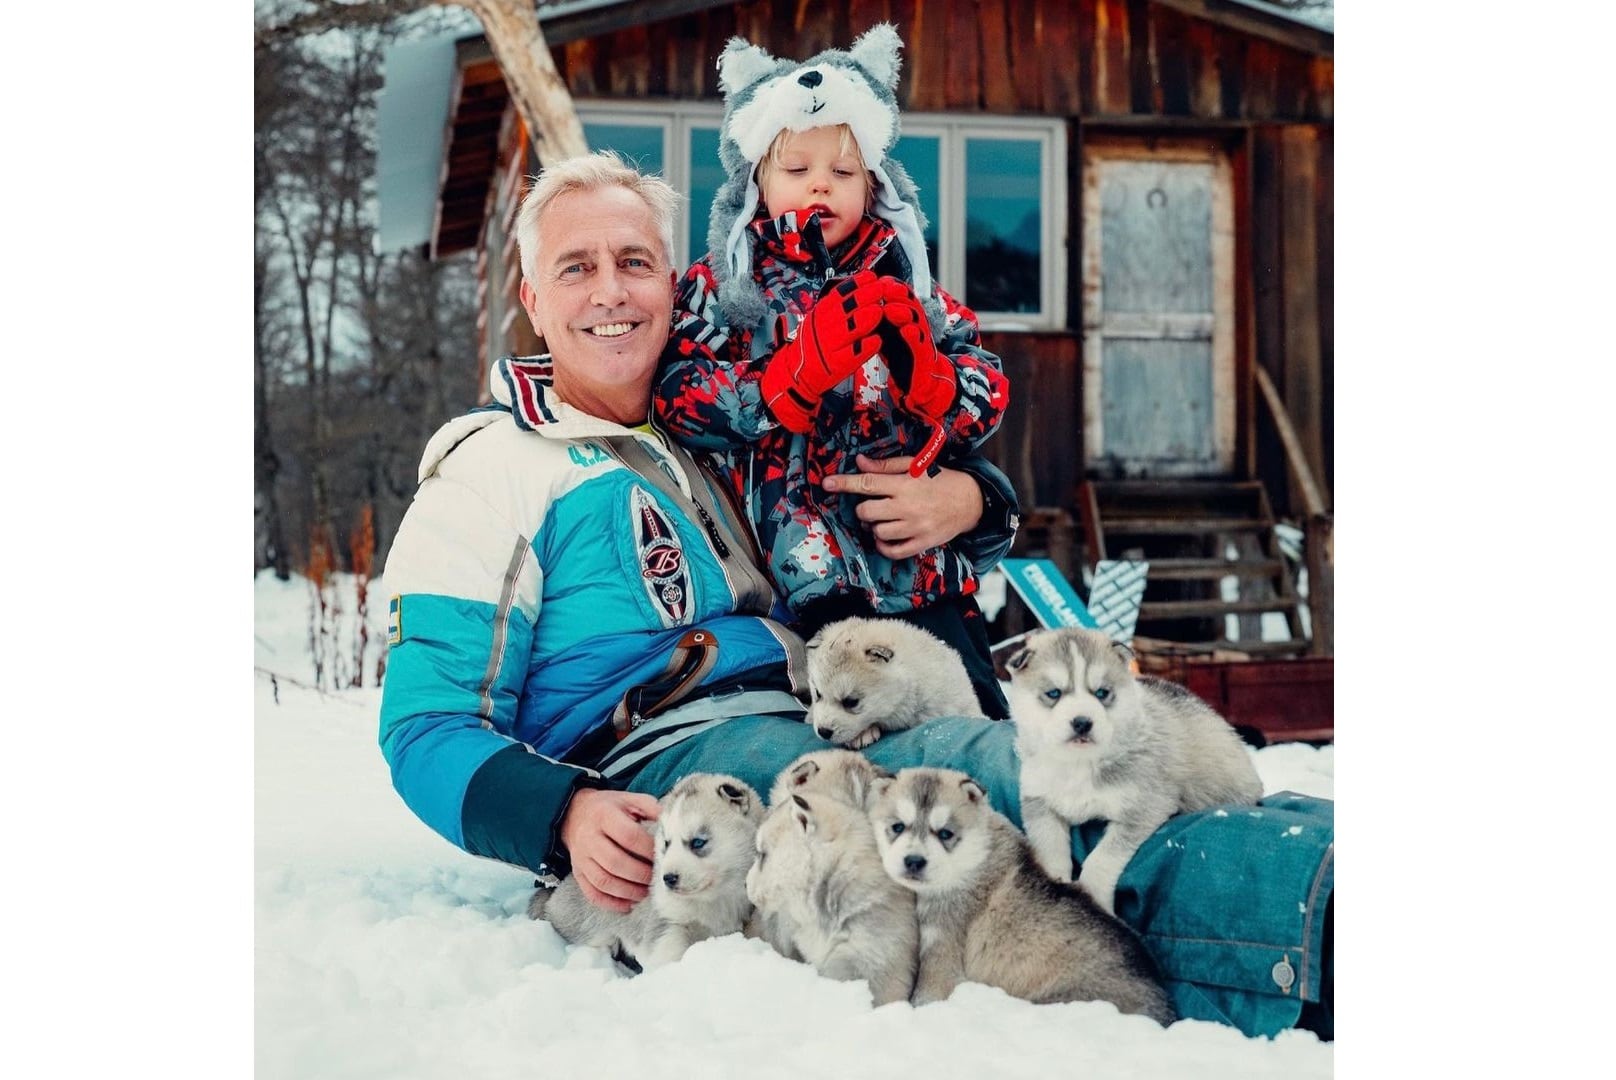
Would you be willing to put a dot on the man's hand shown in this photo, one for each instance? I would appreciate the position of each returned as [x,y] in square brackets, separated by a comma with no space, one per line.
[908,514]
[610,851]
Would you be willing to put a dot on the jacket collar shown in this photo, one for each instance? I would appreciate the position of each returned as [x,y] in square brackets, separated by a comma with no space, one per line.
[525,385]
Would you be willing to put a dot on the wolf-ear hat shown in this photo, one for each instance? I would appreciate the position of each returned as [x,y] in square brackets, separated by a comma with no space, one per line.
[764,96]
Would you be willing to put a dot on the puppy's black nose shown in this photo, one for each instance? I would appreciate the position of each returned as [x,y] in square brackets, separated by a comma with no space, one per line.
[825,732]
[810,79]
[914,863]
[1081,726]
[671,880]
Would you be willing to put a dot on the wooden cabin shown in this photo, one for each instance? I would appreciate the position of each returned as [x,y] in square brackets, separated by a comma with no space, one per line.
[1135,196]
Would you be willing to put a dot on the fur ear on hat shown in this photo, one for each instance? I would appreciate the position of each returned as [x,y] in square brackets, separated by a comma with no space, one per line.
[742,63]
[876,51]
[764,95]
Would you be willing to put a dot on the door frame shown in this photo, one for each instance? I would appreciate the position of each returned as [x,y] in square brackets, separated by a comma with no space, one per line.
[1227,412]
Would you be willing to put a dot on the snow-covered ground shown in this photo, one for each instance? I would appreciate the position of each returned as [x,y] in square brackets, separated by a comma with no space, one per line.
[382,951]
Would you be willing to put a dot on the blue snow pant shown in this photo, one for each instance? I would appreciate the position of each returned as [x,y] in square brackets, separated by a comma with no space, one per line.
[1233,903]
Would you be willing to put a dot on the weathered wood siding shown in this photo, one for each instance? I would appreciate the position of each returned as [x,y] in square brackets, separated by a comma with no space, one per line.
[1096,59]
[1110,66]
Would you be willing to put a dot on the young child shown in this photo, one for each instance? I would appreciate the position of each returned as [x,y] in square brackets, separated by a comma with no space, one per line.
[812,332]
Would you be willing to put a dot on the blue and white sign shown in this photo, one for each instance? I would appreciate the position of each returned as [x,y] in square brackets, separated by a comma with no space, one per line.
[1046,591]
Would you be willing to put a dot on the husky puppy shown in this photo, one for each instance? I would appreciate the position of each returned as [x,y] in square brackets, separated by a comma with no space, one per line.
[1096,742]
[842,774]
[988,913]
[703,846]
[839,774]
[818,882]
[868,676]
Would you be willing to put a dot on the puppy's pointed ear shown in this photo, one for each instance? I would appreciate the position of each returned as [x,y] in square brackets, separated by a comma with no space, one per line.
[881,785]
[803,773]
[1123,651]
[738,796]
[1019,660]
[879,652]
[741,64]
[973,790]
[803,813]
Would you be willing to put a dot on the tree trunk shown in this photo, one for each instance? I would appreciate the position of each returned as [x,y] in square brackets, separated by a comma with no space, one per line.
[537,90]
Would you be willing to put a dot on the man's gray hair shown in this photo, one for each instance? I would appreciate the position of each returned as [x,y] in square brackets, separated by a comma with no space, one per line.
[588,173]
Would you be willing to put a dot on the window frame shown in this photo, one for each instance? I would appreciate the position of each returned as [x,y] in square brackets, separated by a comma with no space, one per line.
[951,130]
[678,118]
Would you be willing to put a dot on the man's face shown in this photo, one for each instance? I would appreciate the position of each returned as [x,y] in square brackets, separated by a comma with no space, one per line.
[603,300]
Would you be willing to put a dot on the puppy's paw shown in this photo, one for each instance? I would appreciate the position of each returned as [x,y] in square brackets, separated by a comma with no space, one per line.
[865,738]
[1100,886]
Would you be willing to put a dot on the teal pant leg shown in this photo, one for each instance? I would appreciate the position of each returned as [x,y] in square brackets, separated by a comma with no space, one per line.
[1231,902]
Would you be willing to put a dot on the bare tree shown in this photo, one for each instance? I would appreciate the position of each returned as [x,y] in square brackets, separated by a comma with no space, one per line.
[513,32]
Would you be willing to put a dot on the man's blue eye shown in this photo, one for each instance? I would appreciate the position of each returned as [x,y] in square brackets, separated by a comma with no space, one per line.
[897,828]
[1053,694]
[1102,693]
[698,843]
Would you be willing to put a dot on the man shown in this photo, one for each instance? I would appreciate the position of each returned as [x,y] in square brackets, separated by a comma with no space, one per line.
[578,618]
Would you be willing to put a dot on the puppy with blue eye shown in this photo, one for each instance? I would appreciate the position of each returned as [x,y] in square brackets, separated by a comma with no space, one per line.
[1098,743]
[703,848]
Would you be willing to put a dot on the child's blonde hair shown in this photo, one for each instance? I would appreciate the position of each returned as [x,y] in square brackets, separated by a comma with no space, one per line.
[848,145]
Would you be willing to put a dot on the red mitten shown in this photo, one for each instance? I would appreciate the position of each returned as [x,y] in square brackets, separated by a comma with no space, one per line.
[835,339]
[923,380]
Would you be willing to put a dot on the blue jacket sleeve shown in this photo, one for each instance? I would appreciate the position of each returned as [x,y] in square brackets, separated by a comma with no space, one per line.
[463,587]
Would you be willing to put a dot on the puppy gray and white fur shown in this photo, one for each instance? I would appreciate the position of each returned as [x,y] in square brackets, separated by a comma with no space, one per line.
[840,774]
[988,914]
[820,893]
[870,676]
[1097,742]
[703,841]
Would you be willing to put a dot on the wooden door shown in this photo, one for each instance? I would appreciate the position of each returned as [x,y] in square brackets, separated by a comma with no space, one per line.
[1158,309]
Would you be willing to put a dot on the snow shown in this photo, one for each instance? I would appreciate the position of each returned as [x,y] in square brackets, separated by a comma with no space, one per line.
[383,951]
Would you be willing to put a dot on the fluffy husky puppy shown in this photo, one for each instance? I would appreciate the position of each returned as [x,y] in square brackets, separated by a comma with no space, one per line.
[988,913]
[817,881]
[703,841]
[1096,742]
[868,676]
[842,774]
[839,774]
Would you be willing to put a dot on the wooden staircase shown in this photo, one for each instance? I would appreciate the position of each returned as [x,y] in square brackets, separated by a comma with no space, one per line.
[1197,534]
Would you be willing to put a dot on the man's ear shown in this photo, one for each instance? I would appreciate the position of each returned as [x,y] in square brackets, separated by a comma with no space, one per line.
[530,301]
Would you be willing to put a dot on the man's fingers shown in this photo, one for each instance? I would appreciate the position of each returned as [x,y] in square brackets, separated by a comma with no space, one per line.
[605,894]
[871,511]
[906,549]
[895,466]
[624,864]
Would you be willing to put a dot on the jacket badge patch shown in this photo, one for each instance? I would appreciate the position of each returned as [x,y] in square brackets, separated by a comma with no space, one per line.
[395,621]
[661,560]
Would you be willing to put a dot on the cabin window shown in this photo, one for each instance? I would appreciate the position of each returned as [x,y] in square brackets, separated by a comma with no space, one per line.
[996,228]
[990,187]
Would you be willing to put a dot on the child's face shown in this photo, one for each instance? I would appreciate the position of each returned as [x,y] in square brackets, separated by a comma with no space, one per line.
[814,174]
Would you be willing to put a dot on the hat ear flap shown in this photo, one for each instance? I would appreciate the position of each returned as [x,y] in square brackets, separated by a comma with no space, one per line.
[876,51]
[741,64]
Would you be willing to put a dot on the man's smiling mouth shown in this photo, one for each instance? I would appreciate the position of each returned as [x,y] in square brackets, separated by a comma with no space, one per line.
[611,330]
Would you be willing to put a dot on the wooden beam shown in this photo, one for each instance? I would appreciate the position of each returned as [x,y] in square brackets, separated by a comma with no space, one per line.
[1280,29]
[1312,498]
